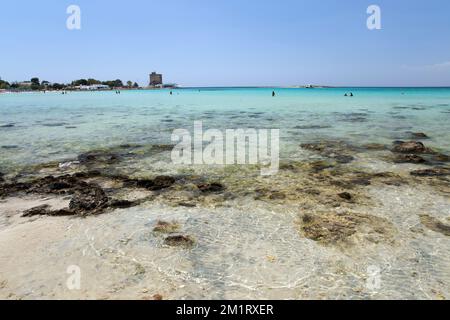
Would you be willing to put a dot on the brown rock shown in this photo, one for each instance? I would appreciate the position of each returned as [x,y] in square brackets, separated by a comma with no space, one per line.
[157,297]
[179,241]
[89,200]
[375,146]
[435,172]
[211,187]
[159,183]
[409,158]
[277,196]
[345,196]
[37,211]
[441,158]
[121,204]
[166,227]
[335,229]
[435,225]
[409,147]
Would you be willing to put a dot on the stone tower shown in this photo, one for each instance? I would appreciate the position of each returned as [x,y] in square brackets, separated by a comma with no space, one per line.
[155,79]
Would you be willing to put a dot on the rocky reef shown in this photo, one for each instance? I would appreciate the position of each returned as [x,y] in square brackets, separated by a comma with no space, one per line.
[95,183]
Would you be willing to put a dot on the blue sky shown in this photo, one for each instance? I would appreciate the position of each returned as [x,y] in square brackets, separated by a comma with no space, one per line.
[229,42]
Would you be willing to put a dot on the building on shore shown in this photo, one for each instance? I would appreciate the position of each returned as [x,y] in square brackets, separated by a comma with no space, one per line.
[25,84]
[156,79]
[93,87]
[156,82]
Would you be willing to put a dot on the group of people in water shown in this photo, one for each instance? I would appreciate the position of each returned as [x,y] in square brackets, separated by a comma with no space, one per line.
[273,93]
[346,94]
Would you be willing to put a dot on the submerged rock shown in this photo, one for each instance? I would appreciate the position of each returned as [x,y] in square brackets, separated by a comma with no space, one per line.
[320,165]
[409,158]
[90,200]
[98,157]
[338,228]
[435,225]
[441,158]
[435,172]
[37,211]
[57,124]
[352,179]
[179,241]
[121,204]
[328,228]
[45,210]
[187,204]
[9,125]
[13,187]
[374,146]
[338,151]
[419,135]
[410,147]
[211,187]
[163,147]
[345,196]
[313,127]
[166,227]
[57,185]
[277,195]
[158,183]
[86,197]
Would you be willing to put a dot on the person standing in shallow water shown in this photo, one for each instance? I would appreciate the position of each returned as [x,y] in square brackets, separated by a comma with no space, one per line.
[273,94]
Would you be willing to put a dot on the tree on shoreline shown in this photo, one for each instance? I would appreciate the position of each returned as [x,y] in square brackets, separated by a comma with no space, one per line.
[80,82]
[4,84]
[114,83]
[35,84]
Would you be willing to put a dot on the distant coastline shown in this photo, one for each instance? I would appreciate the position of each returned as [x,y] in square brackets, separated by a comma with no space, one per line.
[126,88]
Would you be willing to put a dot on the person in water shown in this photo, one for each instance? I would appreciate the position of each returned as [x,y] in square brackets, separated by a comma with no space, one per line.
[171,93]
[273,94]
[351,94]
[345,95]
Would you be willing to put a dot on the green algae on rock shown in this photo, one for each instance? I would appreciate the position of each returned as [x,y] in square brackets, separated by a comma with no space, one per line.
[339,229]
[166,227]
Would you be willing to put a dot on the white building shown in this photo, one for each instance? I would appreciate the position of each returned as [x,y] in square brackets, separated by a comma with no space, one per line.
[94,87]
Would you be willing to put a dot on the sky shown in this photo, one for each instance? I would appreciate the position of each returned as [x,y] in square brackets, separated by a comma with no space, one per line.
[229,42]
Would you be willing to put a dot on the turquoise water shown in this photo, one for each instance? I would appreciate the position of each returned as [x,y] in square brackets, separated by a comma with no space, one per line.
[38,127]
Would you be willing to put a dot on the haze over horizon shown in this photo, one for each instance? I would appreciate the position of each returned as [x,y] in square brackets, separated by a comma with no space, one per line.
[229,43]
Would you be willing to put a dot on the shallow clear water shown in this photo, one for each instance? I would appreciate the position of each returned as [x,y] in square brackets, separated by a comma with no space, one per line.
[246,247]
[38,127]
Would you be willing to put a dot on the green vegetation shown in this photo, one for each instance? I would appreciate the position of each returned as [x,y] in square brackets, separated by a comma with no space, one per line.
[4,85]
[113,83]
[35,84]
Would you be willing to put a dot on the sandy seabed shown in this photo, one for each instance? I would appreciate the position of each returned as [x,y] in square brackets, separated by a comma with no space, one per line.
[340,225]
